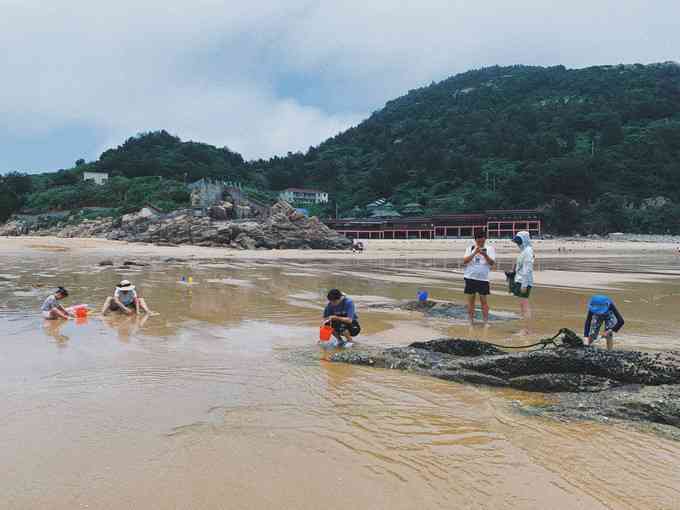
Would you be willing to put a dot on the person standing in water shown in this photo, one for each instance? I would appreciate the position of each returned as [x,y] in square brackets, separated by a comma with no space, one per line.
[478,261]
[341,315]
[524,272]
[602,311]
[51,309]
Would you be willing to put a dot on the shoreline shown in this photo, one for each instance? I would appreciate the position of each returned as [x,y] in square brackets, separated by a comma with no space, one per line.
[561,248]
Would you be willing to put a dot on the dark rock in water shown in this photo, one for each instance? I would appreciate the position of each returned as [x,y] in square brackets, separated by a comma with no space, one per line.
[133,263]
[458,347]
[106,263]
[590,382]
[446,310]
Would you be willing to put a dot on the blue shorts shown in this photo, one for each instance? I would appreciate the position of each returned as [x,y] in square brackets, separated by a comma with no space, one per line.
[608,319]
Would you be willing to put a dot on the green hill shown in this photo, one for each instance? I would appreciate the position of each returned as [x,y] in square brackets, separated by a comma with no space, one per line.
[589,146]
[150,167]
[593,143]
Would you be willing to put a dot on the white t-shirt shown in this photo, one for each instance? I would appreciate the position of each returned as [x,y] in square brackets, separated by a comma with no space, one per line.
[478,268]
[127,297]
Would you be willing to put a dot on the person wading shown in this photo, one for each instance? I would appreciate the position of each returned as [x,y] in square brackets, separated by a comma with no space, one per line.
[478,261]
[523,280]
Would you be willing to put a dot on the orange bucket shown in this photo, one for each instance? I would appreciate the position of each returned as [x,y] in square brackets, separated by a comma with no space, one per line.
[325,333]
[79,310]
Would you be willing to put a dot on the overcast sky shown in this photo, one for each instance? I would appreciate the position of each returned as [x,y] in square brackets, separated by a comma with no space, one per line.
[272,76]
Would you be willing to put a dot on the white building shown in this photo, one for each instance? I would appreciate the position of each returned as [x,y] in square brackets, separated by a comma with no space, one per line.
[302,196]
[98,177]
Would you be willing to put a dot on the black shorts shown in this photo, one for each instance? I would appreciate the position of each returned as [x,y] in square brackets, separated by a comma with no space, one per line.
[476,287]
[340,327]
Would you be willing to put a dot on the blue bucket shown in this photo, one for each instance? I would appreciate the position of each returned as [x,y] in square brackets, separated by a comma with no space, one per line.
[422,295]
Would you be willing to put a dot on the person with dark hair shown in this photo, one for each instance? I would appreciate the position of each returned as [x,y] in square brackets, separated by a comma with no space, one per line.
[341,315]
[478,261]
[602,312]
[51,309]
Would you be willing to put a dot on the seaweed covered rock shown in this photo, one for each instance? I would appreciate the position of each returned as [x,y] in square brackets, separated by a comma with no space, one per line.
[643,386]
[444,310]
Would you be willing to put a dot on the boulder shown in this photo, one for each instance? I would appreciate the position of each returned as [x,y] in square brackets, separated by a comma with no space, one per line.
[185,227]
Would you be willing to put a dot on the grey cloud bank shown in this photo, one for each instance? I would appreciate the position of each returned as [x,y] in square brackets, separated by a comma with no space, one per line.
[265,77]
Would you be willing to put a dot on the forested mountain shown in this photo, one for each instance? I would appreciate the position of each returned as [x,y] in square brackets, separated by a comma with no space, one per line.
[592,142]
[589,146]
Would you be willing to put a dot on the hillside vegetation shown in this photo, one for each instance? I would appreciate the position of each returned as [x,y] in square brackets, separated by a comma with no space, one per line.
[588,146]
[592,143]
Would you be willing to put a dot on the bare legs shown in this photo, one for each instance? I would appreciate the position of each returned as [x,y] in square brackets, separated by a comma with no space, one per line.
[525,308]
[485,308]
[471,308]
[140,302]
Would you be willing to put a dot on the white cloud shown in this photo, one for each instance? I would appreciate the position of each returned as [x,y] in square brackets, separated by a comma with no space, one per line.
[209,69]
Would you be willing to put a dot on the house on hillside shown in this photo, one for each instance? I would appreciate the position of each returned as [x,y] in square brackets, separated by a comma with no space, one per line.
[206,192]
[99,178]
[303,196]
[412,209]
[386,210]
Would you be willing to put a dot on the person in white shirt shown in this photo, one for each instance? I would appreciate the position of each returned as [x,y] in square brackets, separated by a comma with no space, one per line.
[124,299]
[478,261]
[524,272]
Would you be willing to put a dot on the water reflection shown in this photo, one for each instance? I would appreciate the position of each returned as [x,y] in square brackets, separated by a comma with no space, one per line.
[227,397]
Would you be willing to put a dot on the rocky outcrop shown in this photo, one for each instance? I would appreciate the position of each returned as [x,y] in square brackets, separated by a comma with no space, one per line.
[284,228]
[443,310]
[588,382]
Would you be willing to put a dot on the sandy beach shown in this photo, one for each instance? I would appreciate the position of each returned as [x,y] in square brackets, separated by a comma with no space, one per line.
[223,399]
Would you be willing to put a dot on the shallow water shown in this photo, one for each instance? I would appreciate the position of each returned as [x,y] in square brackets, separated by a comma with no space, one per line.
[224,401]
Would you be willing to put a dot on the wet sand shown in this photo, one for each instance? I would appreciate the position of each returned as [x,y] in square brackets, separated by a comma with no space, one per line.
[225,401]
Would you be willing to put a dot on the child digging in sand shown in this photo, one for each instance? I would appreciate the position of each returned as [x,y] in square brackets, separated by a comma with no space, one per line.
[52,310]
[602,312]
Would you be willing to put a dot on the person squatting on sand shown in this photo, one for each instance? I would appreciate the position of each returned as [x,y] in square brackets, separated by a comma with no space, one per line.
[602,311]
[523,280]
[124,298]
[51,309]
[478,261]
[341,315]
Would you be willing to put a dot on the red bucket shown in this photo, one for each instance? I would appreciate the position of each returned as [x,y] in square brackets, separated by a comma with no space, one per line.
[325,333]
[79,310]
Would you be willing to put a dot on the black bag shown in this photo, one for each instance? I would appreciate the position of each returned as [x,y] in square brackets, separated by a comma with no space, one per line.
[510,277]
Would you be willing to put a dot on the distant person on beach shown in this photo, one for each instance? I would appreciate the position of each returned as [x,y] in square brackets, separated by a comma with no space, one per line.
[602,312]
[341,315]
[522,278]
[478,261]
[51,309]
[357,246]
[124,299]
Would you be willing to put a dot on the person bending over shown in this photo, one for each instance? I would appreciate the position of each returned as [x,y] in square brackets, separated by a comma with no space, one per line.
[124,299]
[341,316]
[478,261]
[602,311]
[51,309]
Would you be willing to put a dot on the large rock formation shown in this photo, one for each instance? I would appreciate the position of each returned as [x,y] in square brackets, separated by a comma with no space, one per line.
[284,228]
[589,382]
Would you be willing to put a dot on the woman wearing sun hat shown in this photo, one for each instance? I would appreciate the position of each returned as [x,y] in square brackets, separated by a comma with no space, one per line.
[124,298]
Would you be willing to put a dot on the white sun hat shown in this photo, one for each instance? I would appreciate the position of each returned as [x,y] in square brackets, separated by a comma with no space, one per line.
[125,285]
